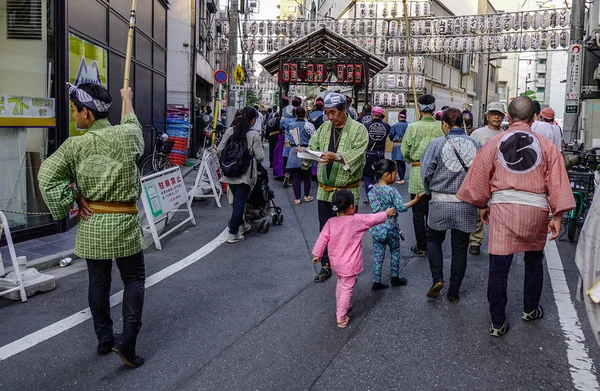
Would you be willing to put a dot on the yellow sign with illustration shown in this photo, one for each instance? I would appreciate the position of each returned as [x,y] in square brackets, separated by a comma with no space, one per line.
[88,63]
[238,74]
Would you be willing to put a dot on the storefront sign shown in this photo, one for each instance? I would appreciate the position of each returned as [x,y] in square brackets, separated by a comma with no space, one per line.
[26,107]
[208,173]
[163,193]
[88,63]
[574,72]
[571,109]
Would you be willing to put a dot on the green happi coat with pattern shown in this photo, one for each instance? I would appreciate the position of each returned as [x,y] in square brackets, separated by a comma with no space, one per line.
[102,163]
[352,147]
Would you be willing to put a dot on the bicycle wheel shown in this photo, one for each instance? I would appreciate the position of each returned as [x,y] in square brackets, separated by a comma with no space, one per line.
[146,168]
[162,163]
[572,229]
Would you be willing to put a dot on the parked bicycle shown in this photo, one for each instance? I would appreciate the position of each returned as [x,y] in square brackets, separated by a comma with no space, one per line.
[159,159]
[582,177]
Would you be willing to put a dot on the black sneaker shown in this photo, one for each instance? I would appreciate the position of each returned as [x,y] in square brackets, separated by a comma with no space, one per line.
[434,291]
[533,315]
[417,252]
[105,348]
[324,274]
[453,298]
[397,281]
[475,250]
[377,286]
[498,331]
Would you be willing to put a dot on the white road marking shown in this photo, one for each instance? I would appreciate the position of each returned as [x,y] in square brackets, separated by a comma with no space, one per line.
[54,329]
[581,365]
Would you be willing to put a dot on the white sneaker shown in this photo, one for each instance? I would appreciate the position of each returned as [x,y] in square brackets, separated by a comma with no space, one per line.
[245,227]
[233,238]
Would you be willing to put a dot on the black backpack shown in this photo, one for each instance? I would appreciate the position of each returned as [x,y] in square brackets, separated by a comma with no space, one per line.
[273,124]
[235,158]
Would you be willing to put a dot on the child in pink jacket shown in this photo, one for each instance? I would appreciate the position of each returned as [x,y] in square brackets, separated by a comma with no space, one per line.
[342,236]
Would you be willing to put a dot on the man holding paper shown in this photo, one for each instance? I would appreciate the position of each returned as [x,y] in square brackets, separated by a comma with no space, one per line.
[343,143]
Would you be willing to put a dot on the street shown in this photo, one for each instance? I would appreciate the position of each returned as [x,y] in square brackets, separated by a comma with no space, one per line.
[248,316]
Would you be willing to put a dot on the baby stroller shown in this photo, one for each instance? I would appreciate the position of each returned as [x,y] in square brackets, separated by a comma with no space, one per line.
[260,203]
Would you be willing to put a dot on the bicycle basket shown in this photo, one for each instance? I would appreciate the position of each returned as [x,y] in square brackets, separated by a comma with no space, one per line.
[167,146]
[582,182]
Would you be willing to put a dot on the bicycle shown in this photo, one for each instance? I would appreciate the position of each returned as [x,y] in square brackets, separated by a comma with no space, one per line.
[159,159]
[583,185]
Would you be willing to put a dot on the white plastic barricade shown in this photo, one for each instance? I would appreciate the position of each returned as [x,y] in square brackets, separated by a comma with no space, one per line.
[163,194]
[209,171]
[10,284]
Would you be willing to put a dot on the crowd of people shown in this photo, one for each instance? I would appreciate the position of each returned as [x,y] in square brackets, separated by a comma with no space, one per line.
[514,180]
[460,179]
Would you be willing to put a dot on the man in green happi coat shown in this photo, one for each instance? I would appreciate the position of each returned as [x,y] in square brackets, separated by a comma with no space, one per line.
[344,143]
[102,165]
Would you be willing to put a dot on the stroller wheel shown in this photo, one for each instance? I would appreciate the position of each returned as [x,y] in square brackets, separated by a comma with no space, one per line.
[280,219]
[278,210]
[275,219]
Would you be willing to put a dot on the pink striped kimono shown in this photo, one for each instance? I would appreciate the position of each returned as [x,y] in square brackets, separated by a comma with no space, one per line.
[520,160]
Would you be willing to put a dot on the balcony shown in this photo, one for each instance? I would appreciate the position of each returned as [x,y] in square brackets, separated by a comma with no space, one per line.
[541,82]
[541,96]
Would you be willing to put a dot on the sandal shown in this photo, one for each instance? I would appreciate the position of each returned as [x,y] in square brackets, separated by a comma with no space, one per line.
[324,274]
[342,324]
[308,198]
[297,202]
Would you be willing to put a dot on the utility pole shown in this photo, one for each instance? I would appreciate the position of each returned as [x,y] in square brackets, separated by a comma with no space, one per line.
[574,71]
[233,44]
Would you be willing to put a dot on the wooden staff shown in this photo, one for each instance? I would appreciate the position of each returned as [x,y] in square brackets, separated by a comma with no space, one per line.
[128,52]
[410,58]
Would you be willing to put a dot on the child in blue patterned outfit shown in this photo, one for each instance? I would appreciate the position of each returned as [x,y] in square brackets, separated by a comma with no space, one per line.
[381,197]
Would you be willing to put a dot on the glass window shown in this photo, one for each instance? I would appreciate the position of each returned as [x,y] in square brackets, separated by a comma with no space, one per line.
[542,61]
[541,89]
[541,75]
[27,107]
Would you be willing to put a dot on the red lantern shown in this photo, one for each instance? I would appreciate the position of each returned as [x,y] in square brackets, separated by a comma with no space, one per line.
[310,73]
[320,73]
[293,72]
[350,73]
[286,72]
[341,72]
[358,69]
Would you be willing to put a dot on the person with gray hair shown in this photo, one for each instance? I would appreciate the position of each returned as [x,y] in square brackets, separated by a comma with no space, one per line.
[517,180]
[418,136]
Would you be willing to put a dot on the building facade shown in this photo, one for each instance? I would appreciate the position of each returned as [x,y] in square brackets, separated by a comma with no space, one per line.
[45,43]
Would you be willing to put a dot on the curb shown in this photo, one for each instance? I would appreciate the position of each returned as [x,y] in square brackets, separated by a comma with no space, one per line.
[48,261]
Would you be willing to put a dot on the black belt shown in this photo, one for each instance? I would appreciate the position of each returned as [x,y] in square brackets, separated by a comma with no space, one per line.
[301,145]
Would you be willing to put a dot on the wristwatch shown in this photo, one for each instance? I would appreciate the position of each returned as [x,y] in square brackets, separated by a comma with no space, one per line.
[338,158]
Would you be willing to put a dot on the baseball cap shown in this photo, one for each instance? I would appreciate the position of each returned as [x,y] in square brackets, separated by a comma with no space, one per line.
[377,111]
[495,106]
[548,113]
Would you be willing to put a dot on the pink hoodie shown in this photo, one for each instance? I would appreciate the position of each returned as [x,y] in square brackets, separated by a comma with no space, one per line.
[342,236]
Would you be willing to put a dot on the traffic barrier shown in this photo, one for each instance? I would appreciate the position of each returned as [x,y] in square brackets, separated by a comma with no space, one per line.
[16,283]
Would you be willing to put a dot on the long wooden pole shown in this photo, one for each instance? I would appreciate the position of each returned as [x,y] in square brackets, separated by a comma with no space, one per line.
[128,52]
[410,58]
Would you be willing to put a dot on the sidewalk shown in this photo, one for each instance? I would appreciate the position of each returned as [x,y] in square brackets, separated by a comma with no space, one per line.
[46,252]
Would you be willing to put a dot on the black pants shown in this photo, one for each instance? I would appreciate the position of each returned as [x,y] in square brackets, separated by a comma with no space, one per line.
[420,211]
[298,176]
[133,275]
[498,279]
[272,144]
[401,164]
[460,245]
[241,193]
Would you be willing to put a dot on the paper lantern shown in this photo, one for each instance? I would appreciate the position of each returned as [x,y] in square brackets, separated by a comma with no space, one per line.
[385,99]
[507,22]
[393,99]
[269,28]
[320,77]
[525,41]
[286,72]
[401,81]
[277,28]
[553,19]
[426,10]
[535,41]
[270,45]
[506,42]
[515,43]
[563,39]
[293,72]
[245,44]
[564,18]
[350,73]
[245,28]
[517,20]
[345,28]
[526,22]
[225,26]
[545,19]
[260,45]
[253,27]
[391,46]
[370,28]
[371,11]
[362,10]
[545,40]
[276,45]
[393,28]
[361,27]
[391,82]
[358,73]
[310,73]
[382,27]
[341,72]
[401,99]
[377,98]
[554,40]
[384,10]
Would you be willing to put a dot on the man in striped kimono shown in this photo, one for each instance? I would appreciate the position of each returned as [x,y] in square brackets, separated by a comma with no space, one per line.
[517,179]
[343,142]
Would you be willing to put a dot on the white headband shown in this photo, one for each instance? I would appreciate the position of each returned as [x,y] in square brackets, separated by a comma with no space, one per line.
[87,100]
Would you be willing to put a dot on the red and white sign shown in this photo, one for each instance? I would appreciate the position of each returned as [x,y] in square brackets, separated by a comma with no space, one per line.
[573,89]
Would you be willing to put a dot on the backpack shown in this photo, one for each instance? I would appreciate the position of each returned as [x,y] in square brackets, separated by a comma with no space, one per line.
[235,158]
[273,124]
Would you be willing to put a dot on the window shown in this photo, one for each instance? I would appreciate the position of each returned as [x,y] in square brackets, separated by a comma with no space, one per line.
[542,61]
[501,89]
[492,74]
[291,8]
[24,19]
[541,75]
[541,89]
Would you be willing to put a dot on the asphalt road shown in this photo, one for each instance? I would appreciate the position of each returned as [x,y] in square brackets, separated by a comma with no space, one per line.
[248,316]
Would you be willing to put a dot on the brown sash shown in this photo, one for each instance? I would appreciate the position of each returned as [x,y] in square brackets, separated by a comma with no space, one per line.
[113,207]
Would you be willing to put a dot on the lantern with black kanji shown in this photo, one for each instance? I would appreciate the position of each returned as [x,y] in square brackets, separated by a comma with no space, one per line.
[358,70]
[286,72]
[350,73]
[320,73]
[293,72]
[310,73]
[341,72]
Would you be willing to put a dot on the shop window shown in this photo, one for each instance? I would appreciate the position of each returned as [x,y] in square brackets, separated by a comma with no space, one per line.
[24,19]
[541,89]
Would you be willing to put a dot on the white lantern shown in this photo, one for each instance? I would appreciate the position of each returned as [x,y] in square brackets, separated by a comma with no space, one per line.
[554,40]
[225,28]
[427,45]
[275,45]
[382,28]
[535,21]
[361,27]
[269,45]
[384,10]
[362,10]
[391,81]
[525,42]
[401,81]
[394,10]
[481,24]
[564,18]
[553,19]
[393,27]
[353,28]
[526,21]
[345,28]
[401,99]
[245,28]
[515,42]
[564,39]
[305,28]
[535,41]
[377,98]
[507,22]
[506,42]
[371,10]
[413,45]
[498,23]
[260,45]
[545,19]
[391,64]
[448,44]
[385,99]
[381,45]
[489,24]
[418,64]
[458,25]
[277,28]
[545,40]
[464,43]
[402,64]
[420,83]
[370,28]
[517,22]
[456,44]
[416,10]
[426,10]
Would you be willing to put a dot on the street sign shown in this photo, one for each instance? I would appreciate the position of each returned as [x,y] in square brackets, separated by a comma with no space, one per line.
[238,74]
[236,88]
[220,76]
[571,109]
[574,71]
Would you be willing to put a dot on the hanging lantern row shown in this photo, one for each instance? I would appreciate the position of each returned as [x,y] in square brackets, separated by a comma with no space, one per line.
[389,99]
[392,9]
[401,64]
[349,73]
[398,82]
[370,27]
[312,73]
